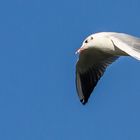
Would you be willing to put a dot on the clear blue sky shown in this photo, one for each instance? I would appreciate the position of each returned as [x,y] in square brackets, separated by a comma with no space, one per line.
[38,99]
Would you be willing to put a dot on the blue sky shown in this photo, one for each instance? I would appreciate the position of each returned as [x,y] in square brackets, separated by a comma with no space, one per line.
[38,99]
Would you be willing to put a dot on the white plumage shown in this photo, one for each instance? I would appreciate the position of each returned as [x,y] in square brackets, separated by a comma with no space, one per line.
[97,52]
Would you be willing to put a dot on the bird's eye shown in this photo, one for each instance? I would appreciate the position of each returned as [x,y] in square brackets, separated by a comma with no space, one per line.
[86,41]
[91,38]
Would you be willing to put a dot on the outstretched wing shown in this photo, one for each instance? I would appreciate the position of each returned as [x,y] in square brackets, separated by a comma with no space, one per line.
[127,43]
[89,69]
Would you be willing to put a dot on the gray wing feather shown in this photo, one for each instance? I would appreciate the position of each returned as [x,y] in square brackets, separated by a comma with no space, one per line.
[129,40]
[89,70]
[127,43]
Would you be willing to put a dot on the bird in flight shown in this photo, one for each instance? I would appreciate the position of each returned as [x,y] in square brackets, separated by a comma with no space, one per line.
[97,52]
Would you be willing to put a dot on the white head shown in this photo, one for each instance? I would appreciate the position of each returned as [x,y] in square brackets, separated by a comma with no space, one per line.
[88,42]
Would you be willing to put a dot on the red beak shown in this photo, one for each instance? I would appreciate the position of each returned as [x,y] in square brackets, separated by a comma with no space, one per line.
[81,49]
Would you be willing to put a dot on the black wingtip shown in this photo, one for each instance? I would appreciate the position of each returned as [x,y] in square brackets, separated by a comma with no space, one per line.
[83,101]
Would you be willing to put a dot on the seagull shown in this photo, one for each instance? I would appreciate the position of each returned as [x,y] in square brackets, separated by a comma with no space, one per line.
[97,52]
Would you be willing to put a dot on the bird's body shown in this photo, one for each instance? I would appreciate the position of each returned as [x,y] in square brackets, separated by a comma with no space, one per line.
[97,52]
[103,42]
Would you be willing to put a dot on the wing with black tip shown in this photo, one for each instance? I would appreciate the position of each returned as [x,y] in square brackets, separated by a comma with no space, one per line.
[89,69]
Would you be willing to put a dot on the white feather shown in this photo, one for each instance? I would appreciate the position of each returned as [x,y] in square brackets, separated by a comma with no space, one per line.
[127,43]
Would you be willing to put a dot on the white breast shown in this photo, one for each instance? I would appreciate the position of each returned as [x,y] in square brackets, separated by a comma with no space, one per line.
[106,45]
